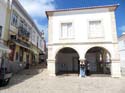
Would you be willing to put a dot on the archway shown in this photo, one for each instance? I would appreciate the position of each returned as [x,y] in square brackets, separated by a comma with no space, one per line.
[67,61]
[99,60]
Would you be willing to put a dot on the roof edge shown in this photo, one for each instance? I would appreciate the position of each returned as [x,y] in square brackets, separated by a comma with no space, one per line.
[81,8]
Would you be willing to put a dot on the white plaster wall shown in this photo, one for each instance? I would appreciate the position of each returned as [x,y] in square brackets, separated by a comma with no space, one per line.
[80,25]
[81,43]
[43,45]
[122,55]
[80,48]
[121,45]
[34,33]
[3,7]
[122,58]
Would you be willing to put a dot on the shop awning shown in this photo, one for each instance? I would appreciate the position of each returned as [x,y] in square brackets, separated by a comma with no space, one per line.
[24,46]
[4,48]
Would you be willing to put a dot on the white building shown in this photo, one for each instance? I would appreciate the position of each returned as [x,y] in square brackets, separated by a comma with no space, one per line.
[4,19]
[87,33]
[20,33]
[121,40]
[25,39]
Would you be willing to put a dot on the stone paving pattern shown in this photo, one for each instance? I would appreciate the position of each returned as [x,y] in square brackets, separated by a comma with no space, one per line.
[38,81]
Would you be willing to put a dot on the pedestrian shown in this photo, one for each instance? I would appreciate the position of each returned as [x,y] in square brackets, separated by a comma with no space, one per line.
[82,69]
[87,68]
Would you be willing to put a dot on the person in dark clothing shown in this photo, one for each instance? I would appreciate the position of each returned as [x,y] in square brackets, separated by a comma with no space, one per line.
[87,68]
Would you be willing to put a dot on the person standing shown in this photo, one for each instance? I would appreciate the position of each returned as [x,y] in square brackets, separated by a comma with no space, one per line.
[87,68]
[82,69]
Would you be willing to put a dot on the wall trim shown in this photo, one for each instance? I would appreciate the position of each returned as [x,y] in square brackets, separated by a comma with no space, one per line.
[82,43]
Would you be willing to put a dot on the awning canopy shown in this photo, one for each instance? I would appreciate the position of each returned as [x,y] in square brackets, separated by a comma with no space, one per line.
[4,48]
[22,45]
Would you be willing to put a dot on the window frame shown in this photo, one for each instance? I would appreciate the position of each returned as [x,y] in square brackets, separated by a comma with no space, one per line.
[102,26]
[67,36]
[14,15]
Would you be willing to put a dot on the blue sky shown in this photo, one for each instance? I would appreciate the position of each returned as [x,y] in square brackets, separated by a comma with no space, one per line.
[37,8]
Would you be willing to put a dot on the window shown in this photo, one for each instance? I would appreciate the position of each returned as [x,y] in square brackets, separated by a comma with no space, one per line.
[21,22]
[67,30]
[25,25]
[33,36]
[0,31]
[28,28]
[14,20]
[95,29]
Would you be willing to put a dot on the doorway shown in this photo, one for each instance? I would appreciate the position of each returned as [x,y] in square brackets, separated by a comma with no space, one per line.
[67,61]
[99,60]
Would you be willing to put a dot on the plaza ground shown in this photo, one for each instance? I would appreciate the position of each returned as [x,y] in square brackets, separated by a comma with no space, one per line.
[38,81]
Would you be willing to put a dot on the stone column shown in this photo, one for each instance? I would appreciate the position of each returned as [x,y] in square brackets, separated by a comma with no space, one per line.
[115,68]
[51,67]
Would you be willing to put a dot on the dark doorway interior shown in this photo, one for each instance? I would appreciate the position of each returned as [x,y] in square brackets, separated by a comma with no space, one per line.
[67,61]
[99,60]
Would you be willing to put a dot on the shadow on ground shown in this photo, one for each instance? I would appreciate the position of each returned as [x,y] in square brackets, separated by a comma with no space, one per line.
[24,75]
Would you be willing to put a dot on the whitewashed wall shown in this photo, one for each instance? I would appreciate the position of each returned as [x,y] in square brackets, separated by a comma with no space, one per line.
[3,7]
[122,54]
[81,41]
[80,20]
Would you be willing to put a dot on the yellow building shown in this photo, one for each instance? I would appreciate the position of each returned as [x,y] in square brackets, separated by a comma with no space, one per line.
[19,32]
[24,37]
[4,20]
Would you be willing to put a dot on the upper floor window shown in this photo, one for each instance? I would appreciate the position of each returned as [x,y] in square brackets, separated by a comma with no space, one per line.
[21,22]
[14,20]
[67,30]
[33,36]
[96,29]
[28,28]
[0,31]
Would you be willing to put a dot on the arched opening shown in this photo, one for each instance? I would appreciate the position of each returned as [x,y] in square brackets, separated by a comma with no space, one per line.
[99,60]
[67,61]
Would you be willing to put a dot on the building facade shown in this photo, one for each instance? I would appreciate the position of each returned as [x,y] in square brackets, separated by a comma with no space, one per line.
[83,34]
[4,20]
[4,26]
[21,34]
[121,41]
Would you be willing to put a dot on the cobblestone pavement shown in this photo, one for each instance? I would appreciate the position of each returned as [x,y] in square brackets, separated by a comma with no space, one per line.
[35,82]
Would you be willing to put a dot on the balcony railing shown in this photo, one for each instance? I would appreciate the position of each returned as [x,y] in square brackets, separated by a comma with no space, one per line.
[23,32]
[14,39]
